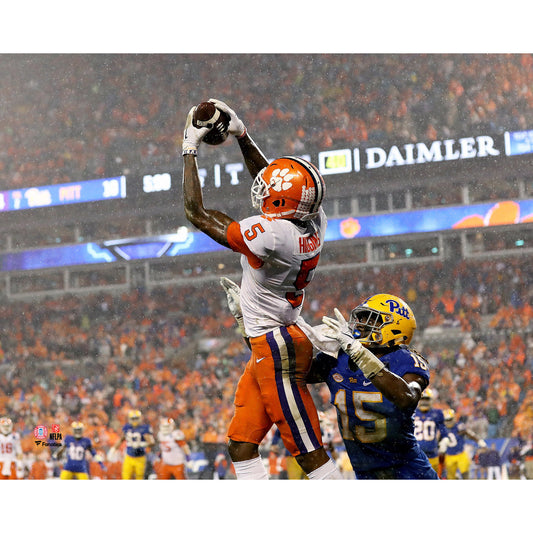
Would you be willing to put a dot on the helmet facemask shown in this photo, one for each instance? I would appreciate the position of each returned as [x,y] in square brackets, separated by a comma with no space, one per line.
[366,325]
[259,190]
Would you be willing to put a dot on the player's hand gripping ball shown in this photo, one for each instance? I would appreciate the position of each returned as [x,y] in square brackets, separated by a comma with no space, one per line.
[207,115]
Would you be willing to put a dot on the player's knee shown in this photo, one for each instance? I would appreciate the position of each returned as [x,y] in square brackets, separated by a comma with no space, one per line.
[312,460]
[242,451]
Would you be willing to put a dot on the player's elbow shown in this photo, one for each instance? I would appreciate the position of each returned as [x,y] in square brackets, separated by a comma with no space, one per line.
[406,401]
[195,214]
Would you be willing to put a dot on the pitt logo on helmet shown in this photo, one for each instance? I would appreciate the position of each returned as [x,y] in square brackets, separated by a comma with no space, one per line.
[395,307]
[383,320]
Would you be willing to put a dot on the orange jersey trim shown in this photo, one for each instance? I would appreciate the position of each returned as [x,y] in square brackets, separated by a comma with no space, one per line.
[237,244]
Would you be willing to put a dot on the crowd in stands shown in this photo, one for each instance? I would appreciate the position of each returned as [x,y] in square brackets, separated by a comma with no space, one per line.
[174,351]
[72,117]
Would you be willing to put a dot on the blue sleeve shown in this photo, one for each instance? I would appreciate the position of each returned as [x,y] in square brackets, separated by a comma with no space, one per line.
[441,425]
[90,447]
[405,361]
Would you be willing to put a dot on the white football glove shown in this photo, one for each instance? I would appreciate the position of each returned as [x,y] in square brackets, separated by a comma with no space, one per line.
[481,443]
[233,294]
[192,136]
[443,445]
[19,468]
[111,454]
[369,364]
[236,126]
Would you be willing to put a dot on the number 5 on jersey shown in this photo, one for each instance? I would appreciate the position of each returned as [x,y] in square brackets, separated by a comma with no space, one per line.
[305,275]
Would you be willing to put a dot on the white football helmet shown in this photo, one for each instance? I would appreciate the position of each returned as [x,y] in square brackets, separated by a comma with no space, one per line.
[167,426]
[6,425]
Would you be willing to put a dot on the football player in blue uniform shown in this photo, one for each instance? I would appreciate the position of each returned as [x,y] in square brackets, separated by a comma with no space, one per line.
[431,432]
[457,459]
[76,447]
[376,381]
[138,437]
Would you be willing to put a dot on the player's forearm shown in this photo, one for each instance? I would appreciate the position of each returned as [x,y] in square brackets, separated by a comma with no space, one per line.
[192,189]
[403,394]
[213,223]
[253,157]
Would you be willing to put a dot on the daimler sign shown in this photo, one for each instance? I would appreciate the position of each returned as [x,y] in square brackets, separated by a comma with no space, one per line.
[448,150]
[340,161]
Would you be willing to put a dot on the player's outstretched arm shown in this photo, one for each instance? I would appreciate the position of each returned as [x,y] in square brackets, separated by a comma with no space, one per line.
[211,222]
[253,157]
[59,453]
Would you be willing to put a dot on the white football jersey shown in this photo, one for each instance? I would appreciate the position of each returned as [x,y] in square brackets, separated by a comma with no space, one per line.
[171,451]
[273,282]
[10,447]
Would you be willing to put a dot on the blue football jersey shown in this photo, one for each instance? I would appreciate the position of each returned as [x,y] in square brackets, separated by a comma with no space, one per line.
[457,439]
[75,450]
[135,439]
[429,430]
[376,433]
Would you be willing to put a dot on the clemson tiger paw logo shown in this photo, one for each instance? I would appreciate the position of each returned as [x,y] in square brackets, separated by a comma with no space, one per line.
[280,181]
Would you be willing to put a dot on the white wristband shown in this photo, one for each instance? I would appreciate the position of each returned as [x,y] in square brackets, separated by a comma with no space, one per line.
[369,364]
[240,322]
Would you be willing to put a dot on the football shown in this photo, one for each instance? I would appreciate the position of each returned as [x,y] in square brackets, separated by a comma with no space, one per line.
[207,115]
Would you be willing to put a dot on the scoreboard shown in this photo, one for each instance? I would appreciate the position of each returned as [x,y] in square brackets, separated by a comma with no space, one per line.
[63,194]
[162,187]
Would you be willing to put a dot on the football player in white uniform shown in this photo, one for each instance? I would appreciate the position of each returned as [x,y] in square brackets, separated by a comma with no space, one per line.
[174,450]
[10,451]
[280,250]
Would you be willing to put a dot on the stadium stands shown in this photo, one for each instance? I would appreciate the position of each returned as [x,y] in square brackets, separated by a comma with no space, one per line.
[173,350]
[73,117]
